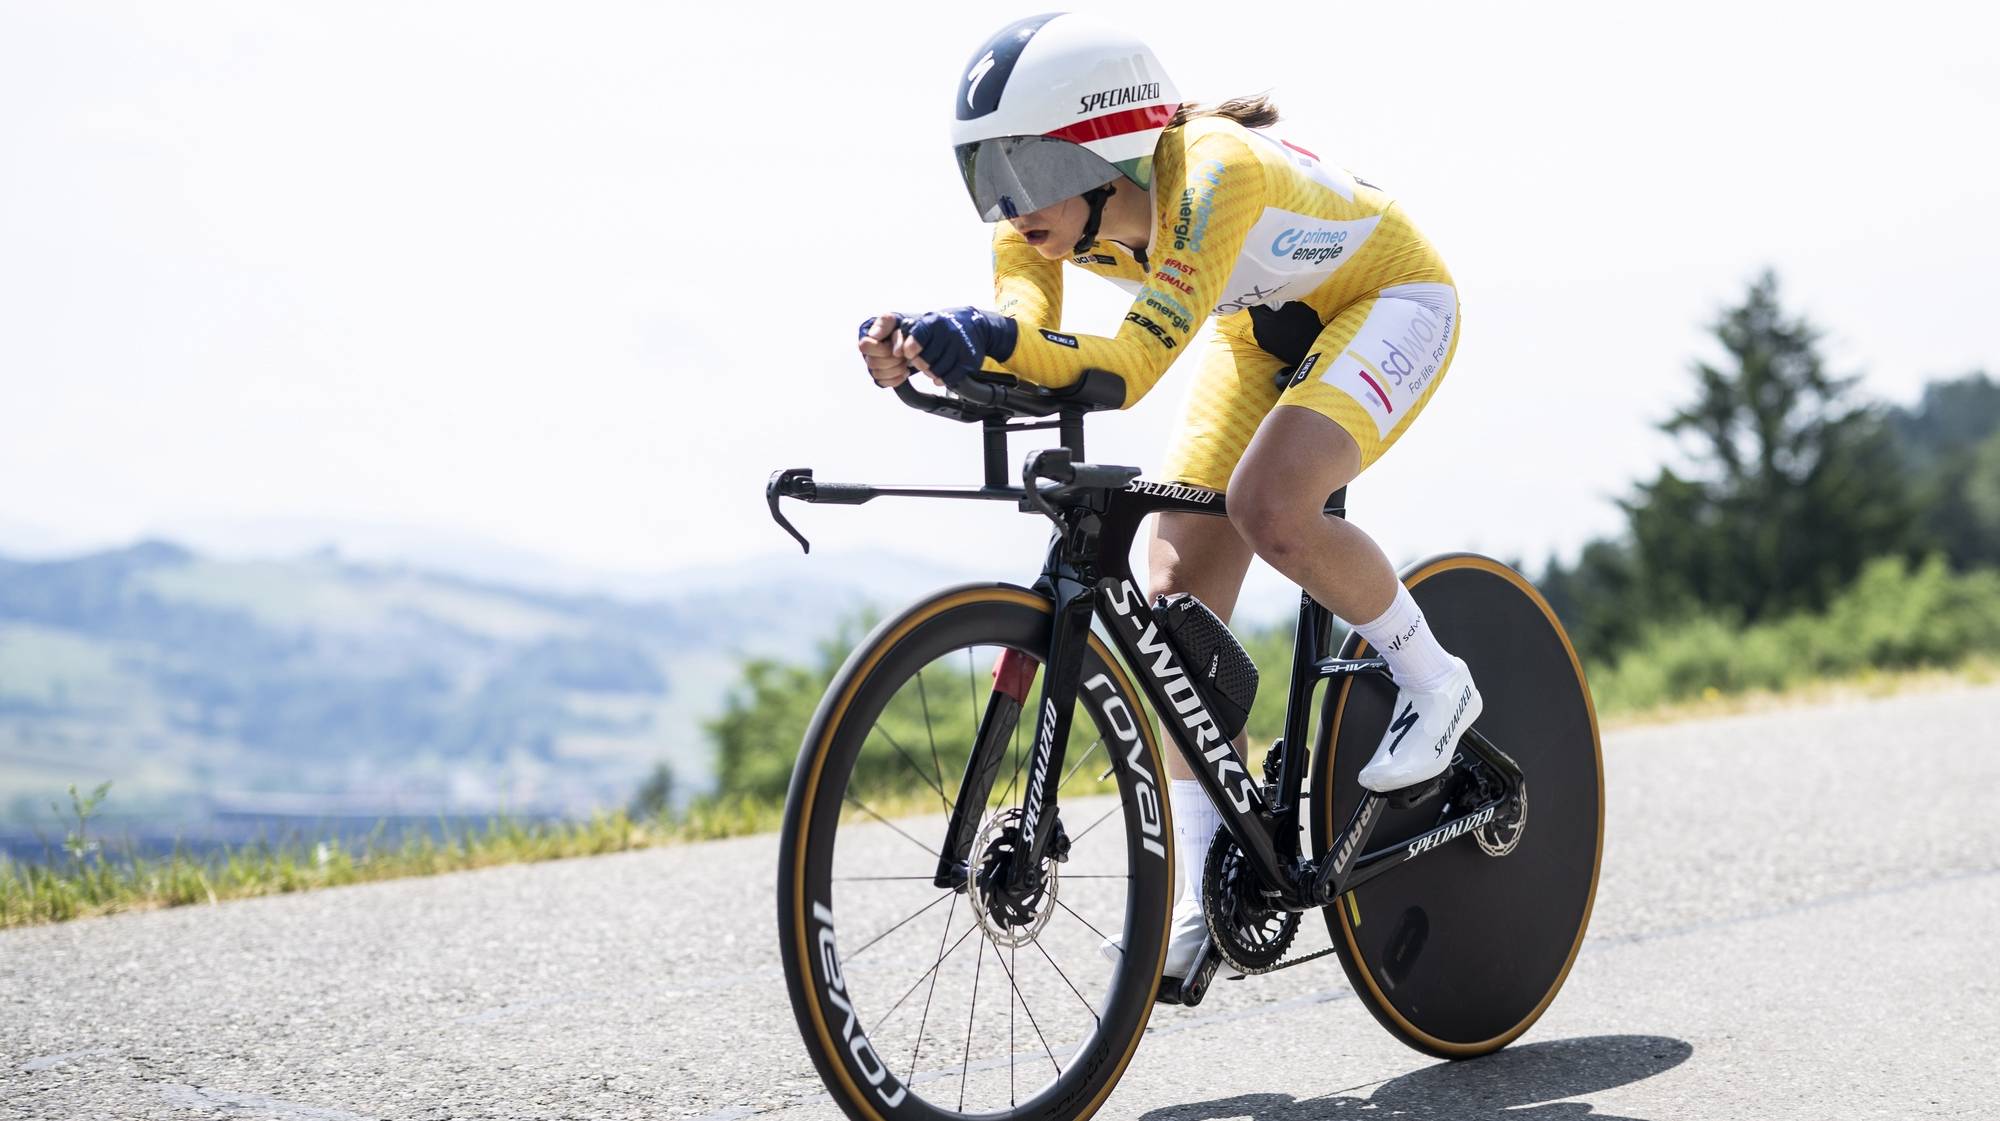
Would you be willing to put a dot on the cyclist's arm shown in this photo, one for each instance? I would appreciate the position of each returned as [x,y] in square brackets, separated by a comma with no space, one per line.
[1224,184]
[1026,285]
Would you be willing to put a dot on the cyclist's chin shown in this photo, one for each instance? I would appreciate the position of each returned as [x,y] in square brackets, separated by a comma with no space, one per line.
[1054,248]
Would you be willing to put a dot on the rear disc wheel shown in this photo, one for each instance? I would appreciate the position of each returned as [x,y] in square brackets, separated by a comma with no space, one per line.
[1460,950]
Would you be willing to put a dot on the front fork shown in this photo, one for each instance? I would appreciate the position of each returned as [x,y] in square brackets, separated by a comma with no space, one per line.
[1013,675]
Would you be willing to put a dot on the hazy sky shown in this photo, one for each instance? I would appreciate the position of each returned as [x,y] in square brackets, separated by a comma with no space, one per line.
[573,279]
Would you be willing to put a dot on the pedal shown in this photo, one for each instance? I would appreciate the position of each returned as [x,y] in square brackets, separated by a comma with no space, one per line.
[1411,796]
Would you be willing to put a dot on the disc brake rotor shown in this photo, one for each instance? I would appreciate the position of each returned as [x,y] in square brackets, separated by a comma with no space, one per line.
[1010,917]
[1499,836]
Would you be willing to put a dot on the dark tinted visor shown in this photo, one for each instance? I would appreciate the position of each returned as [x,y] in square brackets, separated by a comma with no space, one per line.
[1014,175]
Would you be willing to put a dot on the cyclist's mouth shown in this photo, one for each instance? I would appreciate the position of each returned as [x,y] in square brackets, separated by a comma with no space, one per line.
[1036,237]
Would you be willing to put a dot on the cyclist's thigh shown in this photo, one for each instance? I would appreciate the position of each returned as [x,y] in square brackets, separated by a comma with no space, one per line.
[1377,362]
[1232,393]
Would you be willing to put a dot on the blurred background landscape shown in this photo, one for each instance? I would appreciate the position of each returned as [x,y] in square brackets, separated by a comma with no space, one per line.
[1812,535]
[231,699]
[386,393]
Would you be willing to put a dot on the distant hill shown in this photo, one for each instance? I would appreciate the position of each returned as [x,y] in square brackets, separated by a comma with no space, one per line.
[200,685]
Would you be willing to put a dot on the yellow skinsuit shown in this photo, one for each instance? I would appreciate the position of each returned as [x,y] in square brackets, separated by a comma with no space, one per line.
[1312,273]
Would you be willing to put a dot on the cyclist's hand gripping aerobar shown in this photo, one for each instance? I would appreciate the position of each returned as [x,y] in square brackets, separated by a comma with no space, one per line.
[948,345]
[889,354]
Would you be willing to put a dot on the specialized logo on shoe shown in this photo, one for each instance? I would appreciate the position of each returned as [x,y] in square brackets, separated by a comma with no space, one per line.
[1403,725]
[1451,730]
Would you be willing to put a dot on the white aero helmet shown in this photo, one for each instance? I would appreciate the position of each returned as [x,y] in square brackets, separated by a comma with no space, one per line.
[1053,106]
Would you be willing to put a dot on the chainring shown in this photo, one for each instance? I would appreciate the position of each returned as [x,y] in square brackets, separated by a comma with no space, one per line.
[1251,936]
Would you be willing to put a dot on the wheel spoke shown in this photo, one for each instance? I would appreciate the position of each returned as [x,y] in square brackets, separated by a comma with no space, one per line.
[935,966]
[922,1023]
[925,879]
[972,693]
[1072,985]
[965,1062]
[1074,767]
[863,807]
[1107,813]
[942,896]
[1032,1022]
[1007,799]
[928,781]
[932,735]
[1083,920]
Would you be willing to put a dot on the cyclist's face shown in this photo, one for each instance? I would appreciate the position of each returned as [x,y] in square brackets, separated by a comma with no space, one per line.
[1054,230]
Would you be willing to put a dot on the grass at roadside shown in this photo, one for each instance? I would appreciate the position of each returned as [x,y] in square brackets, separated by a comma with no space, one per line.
[87,885]
[1712,702]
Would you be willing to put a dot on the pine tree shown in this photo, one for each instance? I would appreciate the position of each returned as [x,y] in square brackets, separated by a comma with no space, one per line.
[1793,488]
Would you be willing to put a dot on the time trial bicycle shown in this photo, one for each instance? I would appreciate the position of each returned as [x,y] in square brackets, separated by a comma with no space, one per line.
[973,913]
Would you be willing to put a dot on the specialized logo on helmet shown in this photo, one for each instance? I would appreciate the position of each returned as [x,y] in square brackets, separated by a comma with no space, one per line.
[979,70]
[1124,95]
[986,78]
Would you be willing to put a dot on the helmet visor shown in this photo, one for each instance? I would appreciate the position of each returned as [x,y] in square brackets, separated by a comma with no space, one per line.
[1009,176]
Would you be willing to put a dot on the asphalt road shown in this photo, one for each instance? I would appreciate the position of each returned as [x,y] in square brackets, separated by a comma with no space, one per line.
[1796,919]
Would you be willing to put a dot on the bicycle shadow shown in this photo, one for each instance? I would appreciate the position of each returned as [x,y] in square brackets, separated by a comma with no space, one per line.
[1505,1086]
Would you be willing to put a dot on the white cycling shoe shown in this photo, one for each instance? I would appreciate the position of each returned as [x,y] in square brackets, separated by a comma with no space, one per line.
[1420,740]
[1183,943]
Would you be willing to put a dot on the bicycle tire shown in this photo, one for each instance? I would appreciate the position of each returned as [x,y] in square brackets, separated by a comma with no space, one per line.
[864,1082]
[1427,968]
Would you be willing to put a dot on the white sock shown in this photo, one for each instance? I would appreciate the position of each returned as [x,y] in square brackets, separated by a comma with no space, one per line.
[1195,823]
[1404,639]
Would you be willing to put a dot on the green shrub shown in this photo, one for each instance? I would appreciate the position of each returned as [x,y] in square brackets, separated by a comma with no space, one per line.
[1895,616]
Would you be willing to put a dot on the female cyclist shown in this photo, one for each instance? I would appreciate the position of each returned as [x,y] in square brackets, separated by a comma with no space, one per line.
[1336,321]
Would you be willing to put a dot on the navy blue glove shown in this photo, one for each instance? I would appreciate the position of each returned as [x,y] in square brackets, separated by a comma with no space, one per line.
[957,341]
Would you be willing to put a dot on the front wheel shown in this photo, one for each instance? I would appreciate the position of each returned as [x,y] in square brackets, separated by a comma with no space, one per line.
[1460,950]
[922,1001]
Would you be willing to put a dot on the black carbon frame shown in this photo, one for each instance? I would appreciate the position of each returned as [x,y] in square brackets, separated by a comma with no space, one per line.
[1097,511]
[1264,822]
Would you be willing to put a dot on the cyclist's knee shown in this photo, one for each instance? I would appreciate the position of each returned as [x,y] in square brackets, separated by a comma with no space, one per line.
[1271,514]
[1197,554]
[1277,496]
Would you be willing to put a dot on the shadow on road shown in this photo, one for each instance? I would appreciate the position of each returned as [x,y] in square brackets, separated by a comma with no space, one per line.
[1498,1087]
